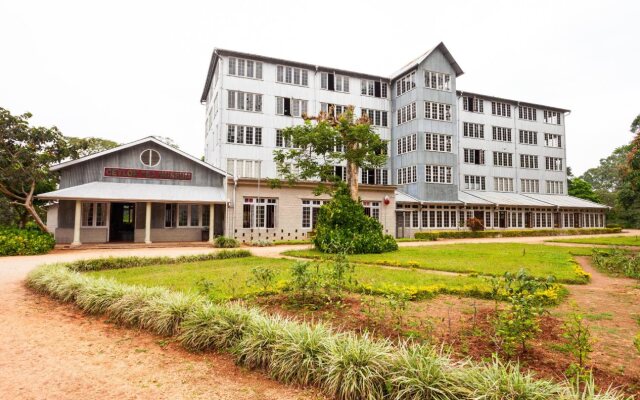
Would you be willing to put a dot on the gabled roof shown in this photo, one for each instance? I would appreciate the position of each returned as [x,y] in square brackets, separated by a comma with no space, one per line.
[511,101]
[149,139]
[414,63]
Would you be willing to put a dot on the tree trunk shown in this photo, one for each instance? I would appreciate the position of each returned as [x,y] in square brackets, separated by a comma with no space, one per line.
[27,203]
[36,217]
[352,180]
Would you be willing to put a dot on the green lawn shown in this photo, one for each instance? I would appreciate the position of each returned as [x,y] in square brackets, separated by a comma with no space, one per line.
[232,278]
[610,240]
[486,258]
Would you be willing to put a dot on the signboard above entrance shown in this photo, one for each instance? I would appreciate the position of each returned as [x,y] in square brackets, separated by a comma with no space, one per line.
[132,173]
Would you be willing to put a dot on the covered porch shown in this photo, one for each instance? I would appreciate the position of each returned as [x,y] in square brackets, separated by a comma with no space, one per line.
[114,212]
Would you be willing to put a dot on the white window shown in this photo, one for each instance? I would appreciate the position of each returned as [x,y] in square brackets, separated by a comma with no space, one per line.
[438,174]
[376,117]
[372,209]
[437,111]
[150,157]
[501,134]
[258,212]
[281,141]
[407,175]
[528,113]
[438,142]
[406,113]
[528,137]
[474,182]
[552,140]
[552,117]
[528,161]
[473,104]
[406,83]
[245,68]
[529,186]
[244,134]
[374,176]
[292,76]
[291,107]
[373,88]
[334,110]
[472,130]
[244,101]
[244,168]
[407,144]
[437,80]
[94,214]
[555,187]
[474,156]
[502,159]
[310,210]
[500,109]
[553,163]
[188,215]
[503,184]
[334,82]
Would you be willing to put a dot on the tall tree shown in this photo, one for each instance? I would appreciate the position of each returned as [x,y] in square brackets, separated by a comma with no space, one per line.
[26,153]
[630,190]
[580,188]
[329,140]
[82,147]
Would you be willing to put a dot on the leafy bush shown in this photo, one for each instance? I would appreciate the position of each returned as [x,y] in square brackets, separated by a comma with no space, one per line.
[224,242]
[24,242]
[263,277]
[465,234]
[261,243]
[343,227]
[617,262]
[579,343]
[475,224]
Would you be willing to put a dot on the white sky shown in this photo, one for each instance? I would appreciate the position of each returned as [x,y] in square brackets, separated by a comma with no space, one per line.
[123,70]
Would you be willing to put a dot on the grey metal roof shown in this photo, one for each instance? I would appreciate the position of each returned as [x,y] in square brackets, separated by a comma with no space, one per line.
[415,62]
[509,199]
[468,198]
[402,197]
[117,191]
[565,201]
[135,143]
[511,101]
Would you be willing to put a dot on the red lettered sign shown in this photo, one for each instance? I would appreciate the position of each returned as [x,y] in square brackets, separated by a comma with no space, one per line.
[132,173]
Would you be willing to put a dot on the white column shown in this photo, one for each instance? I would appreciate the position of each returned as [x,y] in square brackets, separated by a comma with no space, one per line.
[77,222]
[147,223]
[211,222]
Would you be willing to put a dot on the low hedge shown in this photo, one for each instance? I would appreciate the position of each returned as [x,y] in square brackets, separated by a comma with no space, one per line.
[345,366]
[25,242]
[435,235]
[98,264]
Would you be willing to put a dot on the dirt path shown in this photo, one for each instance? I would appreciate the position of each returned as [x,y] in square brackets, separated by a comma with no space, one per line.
[613,311]
[50,350]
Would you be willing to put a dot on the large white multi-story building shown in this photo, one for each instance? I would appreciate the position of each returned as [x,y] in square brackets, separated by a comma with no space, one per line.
[453,154]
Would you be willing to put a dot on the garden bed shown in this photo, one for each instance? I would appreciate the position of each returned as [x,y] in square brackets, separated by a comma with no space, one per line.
[344,365]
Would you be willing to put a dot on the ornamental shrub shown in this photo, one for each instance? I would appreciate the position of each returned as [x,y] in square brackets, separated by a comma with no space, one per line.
[24,242]
[225,242]
[343,227]
[475,224]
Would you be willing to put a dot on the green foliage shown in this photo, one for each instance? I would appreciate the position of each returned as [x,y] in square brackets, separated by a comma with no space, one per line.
[344,365]
[580,188]
[464,234]
[225,242]
[98,264]
[577,334]
[21,242]
[263,277]
[262,243]
[343,227]
[636,342]
[617,262]
[518,324]
[82,147]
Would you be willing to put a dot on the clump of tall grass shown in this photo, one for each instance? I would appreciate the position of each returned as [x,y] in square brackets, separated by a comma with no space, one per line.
[496,380]
[421,372]
[164,314]
[99,294]
[263,333]
[355,367]
[215,327]
[297,356]
[129,308]
[586,390]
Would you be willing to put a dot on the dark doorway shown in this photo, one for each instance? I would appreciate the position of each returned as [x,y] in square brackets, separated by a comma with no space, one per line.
[527,219]
[121,222]
[502,219]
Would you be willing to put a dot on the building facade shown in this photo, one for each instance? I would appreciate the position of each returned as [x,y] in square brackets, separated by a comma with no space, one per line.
[453,155]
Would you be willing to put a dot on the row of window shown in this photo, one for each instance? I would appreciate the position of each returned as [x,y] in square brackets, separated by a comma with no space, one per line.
[433,174]
[407,175]
[504,159]
[175,215]
[476,131]
[407,144]
[504,184]
[502,109]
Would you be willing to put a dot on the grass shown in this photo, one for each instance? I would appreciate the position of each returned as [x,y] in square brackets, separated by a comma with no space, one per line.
[231,278]
[486,259]
[609,241]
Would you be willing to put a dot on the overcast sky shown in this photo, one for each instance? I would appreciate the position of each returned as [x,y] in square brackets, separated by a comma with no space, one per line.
[123,70]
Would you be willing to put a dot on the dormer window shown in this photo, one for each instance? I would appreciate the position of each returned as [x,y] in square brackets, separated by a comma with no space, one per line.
[150,158]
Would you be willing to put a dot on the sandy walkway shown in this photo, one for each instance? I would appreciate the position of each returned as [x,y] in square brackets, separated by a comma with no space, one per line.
[50,350]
